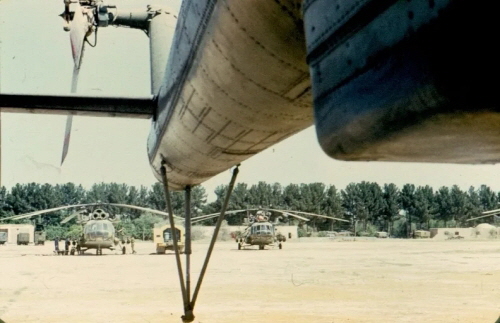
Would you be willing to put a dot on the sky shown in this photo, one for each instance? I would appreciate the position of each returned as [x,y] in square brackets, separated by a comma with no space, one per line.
[35,58]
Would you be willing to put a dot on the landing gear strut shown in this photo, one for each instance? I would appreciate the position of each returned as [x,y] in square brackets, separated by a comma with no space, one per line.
[189,302]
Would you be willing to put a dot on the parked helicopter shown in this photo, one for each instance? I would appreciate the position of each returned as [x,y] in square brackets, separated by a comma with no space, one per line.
[98,225]
[260,231]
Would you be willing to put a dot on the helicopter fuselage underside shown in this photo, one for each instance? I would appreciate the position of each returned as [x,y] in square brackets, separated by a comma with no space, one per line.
[260,240]
[98,245]
[238,85]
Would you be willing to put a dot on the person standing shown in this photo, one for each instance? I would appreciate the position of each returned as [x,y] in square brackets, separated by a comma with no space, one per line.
[56,245]
[132,243]
[66,246]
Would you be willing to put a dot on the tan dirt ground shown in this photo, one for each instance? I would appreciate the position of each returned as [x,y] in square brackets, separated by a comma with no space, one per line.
[316,280]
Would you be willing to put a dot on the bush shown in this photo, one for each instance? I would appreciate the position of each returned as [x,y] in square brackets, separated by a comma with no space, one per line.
[369,232]
[303,233]
[74,232]
[51,232]
[197,233]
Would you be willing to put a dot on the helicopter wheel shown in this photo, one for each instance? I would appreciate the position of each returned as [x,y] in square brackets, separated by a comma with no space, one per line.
[280,246]
[261,247]
[239,246]
[124,250]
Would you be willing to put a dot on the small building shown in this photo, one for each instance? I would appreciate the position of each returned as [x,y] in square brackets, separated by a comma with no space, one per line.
[481,231]
[10,231]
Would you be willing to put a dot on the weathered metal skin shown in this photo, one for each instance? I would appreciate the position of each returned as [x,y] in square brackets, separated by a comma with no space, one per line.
[236,83]
[405,80]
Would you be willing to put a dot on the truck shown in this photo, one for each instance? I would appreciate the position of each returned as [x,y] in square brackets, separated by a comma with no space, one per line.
[163,238]
[39,237]
[23,238]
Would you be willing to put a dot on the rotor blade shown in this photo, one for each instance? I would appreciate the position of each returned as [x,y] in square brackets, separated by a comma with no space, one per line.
[480,217]
[66,219]
[295,216]
[314,214]
[204,218]
[69,119]
[79,27]
[491,211]
[27,215]
[67,135]
[214,214]
[145,209]
[330,217]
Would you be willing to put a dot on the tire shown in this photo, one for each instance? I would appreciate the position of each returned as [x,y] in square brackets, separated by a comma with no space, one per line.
[124,250]
[239,246]
[280,246]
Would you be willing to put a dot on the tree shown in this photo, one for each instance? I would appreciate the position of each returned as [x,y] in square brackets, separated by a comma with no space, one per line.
[473,207]
[332,204]
[156,197]
[424,205]
[239,197]
[137,197]
[444,205]
[352,203]
[260,195]
[489,200]
[408,204]
[313,196]
[292,199]
[459,201]
[372,197]
[5,209]
[391,205]
[144,225]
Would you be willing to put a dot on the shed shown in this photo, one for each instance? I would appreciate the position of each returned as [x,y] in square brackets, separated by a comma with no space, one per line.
[12,230]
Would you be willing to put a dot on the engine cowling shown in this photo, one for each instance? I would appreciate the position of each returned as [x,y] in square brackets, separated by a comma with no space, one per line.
[99,214]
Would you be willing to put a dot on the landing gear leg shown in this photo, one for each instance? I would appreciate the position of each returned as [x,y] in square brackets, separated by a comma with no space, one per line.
[189,302]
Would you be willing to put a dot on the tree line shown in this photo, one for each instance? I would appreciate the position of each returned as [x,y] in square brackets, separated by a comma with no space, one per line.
[371,206]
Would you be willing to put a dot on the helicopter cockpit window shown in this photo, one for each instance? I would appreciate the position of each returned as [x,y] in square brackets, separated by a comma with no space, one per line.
[261,229]
[106,230]
[167,235]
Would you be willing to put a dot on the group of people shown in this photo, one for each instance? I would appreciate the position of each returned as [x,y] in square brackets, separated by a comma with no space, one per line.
[67,244]
[120,242]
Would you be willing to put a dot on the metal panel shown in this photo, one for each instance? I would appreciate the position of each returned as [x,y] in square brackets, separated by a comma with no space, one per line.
[405,80]
[236,83]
